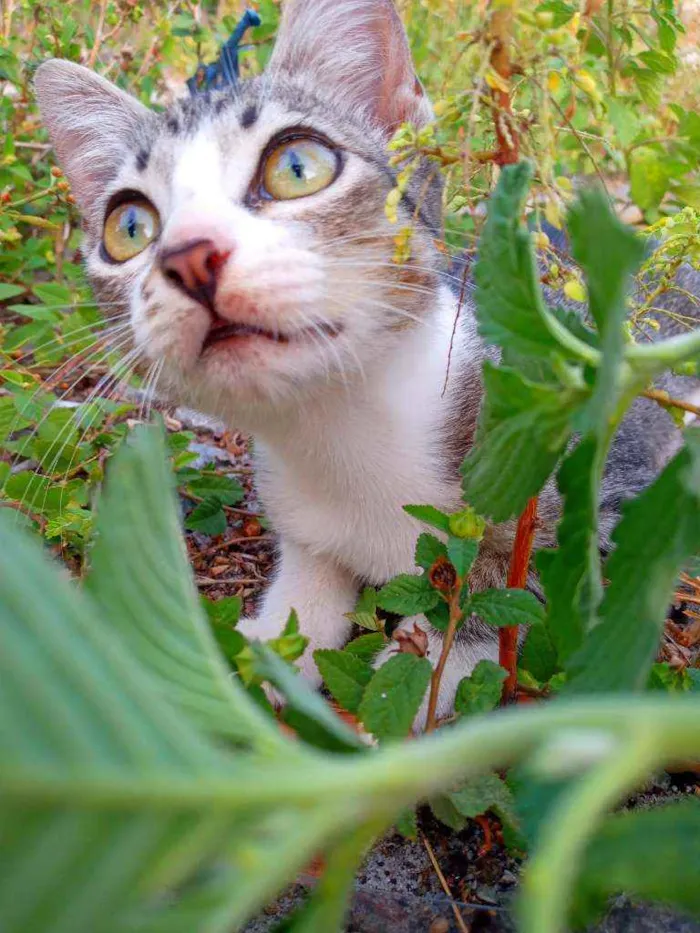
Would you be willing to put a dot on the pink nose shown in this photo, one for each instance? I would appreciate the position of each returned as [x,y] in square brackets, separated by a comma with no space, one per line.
[194,268]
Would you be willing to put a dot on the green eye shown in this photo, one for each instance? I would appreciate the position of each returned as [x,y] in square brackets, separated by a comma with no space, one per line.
[299,167]
[129,229]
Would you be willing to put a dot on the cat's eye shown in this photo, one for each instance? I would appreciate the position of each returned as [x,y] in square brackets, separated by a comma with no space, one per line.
[299,167]
[129,228]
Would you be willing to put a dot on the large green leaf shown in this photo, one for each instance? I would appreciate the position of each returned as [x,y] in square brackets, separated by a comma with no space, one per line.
[642,570]
[653,854]
[88,747]
[141,579]
[510,309]
[570,573]
[609,253]
[523,430]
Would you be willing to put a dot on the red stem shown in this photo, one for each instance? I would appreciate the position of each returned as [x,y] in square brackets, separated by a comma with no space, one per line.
[517,579]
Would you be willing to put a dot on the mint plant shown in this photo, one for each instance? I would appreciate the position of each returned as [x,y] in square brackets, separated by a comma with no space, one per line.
[142,788]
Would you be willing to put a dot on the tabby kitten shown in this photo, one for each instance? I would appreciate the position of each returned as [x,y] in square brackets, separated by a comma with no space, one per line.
[244,233]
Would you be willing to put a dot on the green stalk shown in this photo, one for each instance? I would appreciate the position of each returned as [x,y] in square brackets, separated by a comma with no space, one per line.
[391,778]
[550,876]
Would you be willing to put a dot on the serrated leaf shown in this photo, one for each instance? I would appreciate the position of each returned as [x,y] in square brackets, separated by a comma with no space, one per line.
[462,554]
[207,517]
[140,577]
[609,253]
[538,655]
[225,611]
[366,647]
[505,607]
[365,612]
[428,549]
[481,690]
[570,574]
[482,793]
[430,515]
[523,430]
[408,595]
[394,695]
[510,309]
[346,676]
[642,570]
[225,489]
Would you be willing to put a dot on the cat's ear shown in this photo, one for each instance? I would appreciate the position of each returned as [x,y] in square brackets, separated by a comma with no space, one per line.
[92,125]
[359,50]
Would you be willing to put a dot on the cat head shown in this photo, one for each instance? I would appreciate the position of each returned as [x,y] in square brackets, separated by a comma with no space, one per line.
[243,231]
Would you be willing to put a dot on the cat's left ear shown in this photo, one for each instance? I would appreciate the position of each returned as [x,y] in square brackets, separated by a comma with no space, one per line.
[358,50]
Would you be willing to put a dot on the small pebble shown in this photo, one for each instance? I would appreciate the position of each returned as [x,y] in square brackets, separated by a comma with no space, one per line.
[439,925]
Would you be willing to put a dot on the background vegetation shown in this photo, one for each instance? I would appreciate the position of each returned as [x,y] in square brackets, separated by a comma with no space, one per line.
[606,91]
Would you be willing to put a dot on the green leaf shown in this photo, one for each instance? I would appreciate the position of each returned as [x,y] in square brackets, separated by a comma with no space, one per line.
[481,690]
[430,515]
[462,554]
[85,849]
[505,607]
[10,291]
[570,574]
[609,253]
[510,309]
[225,611]
[649,178]
[207,517]
[523,430]
[366,647]
[618,859]
[482,793]
[407,595]
[407,824]
[345,675]
[141,579]
[224,489]
[428,549]
[642,571]
[669,679]
[538,655]
[394,695]
[306,712]
[365,612]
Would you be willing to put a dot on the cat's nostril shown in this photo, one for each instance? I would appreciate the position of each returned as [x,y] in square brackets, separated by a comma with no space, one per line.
[194,268]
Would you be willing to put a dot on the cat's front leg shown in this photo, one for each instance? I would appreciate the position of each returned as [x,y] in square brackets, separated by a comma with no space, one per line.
[320,590]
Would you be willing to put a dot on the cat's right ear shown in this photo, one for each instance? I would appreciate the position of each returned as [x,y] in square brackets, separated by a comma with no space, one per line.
[91,123]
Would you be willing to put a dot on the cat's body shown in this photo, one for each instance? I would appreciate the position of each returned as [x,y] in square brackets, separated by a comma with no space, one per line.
[348,409]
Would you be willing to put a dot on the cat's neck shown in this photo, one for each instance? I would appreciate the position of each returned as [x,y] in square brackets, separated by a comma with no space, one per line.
[391,419]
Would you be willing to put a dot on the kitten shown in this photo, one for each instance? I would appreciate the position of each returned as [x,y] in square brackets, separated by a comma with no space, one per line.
[244,233]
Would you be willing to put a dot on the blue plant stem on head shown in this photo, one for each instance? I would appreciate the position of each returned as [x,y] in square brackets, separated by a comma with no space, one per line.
[223,72]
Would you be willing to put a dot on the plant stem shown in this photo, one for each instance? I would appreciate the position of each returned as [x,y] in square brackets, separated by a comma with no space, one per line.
[500,30]
[393,777]
[517,579]
[665,400]
[550,876]
[455,619]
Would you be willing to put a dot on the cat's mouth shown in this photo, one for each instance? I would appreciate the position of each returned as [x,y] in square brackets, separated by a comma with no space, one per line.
[221,332]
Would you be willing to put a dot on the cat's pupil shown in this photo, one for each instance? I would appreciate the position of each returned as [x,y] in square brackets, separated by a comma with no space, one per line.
[131,224]
[296,165]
